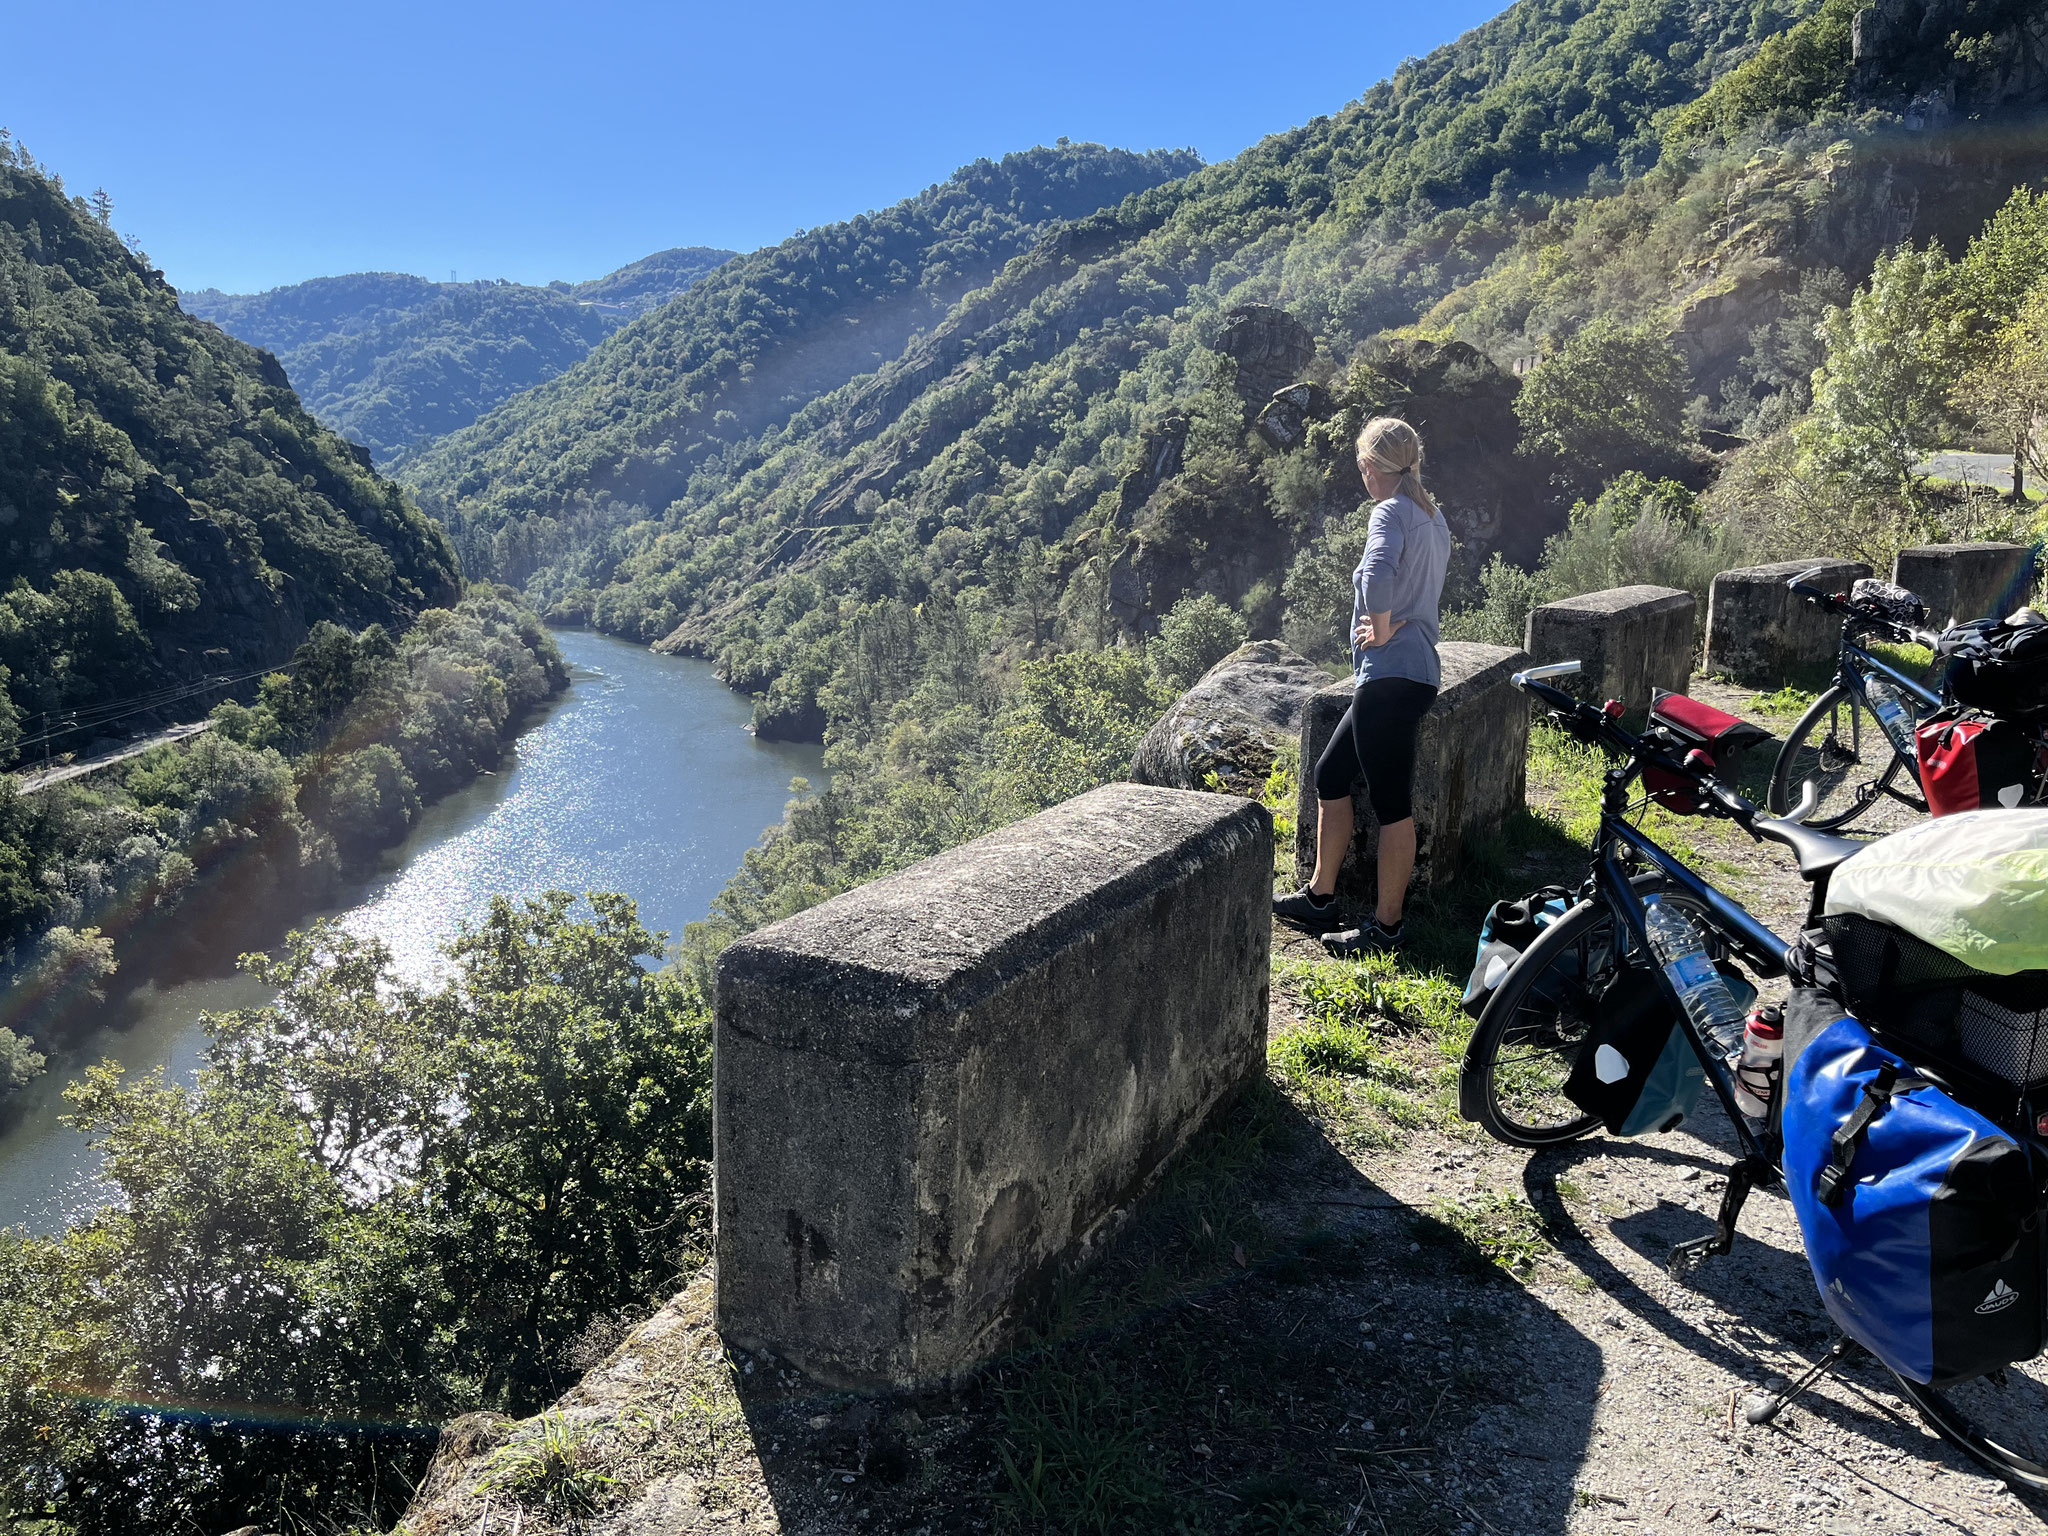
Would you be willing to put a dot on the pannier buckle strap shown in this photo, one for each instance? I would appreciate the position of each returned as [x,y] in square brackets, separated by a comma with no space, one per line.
[1834,1179]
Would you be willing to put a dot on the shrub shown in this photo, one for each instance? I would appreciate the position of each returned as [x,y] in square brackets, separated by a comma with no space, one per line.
[1198,632]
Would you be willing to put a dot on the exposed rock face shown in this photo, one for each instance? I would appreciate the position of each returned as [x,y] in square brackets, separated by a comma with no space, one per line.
[1270,348]
[1937,60]
[1284,421]
[1463,404]
[1232,723]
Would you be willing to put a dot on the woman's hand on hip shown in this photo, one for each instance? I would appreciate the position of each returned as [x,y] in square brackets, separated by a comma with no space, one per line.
[1375,630]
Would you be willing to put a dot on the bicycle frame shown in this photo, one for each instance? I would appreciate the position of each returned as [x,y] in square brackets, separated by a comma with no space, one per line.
[1854,673]
[1761,948]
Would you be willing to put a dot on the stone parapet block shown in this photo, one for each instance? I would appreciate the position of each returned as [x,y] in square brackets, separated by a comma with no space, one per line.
[1760,635]
[933,1095]
[1471,767]
[1961,582]
[1631,640]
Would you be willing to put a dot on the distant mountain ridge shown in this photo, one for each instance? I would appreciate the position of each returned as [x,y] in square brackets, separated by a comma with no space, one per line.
[617,437]
[393,361]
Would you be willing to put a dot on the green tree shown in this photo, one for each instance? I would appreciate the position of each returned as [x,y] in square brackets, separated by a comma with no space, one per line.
[1880,401]
[1197,632]
[1610,399]
[381,1205]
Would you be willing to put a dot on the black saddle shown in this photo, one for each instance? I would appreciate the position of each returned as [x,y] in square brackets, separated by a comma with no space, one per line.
[1817,853]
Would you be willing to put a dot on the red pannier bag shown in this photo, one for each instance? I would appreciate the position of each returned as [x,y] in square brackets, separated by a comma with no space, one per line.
[1699,727]
[1969,763]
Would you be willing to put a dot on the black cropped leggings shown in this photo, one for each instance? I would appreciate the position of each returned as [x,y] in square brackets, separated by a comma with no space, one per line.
[1376,740]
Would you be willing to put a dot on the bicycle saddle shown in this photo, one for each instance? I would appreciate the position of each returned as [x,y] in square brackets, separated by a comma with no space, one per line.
[1817,853]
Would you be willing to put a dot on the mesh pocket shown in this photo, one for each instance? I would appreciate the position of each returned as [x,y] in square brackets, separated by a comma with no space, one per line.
[1921,997]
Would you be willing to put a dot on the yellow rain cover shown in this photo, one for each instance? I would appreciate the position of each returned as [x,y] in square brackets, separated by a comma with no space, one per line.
[1975,886]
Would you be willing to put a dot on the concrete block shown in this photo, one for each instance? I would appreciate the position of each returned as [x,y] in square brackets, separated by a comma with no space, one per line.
[1761,636]
[934,1094]
[1471,767]
[1961,582]
[1631,639]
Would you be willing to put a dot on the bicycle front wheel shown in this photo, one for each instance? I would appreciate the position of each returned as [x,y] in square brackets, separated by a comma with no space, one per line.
[1840,745]
[2000,1419]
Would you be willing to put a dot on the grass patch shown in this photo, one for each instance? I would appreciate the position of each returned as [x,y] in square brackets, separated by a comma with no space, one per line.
[1504,1227]
[556,1471]
[1788,701]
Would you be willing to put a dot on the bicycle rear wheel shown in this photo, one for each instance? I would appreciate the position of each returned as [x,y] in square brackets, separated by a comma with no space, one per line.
[2001,1420]
[1530,1035]
[1839,744]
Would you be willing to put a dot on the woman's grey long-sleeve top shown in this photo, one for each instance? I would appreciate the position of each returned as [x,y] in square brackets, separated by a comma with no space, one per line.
[1401,573]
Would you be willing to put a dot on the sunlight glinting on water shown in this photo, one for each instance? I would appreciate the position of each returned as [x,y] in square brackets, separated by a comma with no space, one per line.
[642,779]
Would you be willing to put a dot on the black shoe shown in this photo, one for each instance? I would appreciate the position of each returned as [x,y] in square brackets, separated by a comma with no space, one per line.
[1318,914]
[1374,938]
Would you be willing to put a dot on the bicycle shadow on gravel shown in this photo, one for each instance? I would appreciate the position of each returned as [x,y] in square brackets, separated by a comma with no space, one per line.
[1275,1343]
[1773,1322]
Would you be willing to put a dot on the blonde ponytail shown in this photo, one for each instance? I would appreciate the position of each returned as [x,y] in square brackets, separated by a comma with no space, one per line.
[1393,447]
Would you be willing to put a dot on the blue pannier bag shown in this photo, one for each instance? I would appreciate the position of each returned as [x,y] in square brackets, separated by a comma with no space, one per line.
[1921,1217]
[1508,928]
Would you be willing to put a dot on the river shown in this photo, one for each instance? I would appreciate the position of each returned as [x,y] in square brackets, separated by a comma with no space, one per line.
[641,778]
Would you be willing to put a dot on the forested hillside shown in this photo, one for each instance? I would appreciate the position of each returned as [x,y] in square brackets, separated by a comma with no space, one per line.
[1653,201]
[168,510]
[615,439]
[392,361]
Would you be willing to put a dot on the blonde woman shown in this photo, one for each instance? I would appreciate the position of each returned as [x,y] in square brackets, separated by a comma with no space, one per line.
[1395,592]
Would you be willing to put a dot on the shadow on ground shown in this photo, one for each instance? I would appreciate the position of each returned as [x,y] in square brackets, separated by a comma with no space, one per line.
[1275,1345]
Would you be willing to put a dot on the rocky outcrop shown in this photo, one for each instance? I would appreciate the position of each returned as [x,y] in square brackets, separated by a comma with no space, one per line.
[1269,346]
[1232,723]
[1936,61]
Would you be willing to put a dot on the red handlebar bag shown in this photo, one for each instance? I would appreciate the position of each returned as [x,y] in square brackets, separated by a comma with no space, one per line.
[1699,727]
[1968,763]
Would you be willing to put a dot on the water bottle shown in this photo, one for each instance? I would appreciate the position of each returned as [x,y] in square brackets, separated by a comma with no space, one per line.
[1892,713]
[1701,990]
[1762,1063]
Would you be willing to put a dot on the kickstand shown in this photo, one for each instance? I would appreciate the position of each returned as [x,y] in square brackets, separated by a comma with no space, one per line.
[1762,1407]
[1742,1178]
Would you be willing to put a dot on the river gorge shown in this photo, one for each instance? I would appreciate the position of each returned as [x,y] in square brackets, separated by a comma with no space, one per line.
[640,778]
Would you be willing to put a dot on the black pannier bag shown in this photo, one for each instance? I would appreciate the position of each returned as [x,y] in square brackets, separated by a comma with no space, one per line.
[1924,1001]
[1998,667]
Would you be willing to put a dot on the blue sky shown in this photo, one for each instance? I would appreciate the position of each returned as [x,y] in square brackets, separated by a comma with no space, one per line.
[248,145]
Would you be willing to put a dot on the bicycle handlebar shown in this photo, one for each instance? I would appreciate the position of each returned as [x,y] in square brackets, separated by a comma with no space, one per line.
[1846,608]
[1597,728]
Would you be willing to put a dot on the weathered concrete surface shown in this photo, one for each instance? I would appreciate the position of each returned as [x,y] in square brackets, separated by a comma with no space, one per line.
[933,1093]
[1471,764]
[1760,635]
[1631,640]
[1961,582]
[1232,723]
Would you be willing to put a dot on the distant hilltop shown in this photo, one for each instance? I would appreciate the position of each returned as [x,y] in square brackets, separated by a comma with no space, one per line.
[391,361]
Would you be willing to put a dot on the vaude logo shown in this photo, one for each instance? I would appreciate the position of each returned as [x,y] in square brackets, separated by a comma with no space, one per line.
[2001,1297]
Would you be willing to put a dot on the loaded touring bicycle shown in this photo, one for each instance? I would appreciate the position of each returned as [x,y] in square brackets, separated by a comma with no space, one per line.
[1906,1119]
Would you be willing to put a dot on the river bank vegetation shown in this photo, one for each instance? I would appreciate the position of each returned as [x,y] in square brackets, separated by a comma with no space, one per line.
[328,765]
